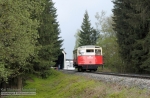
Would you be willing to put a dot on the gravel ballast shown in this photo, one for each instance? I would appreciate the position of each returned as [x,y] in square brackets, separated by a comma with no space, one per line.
[124,81]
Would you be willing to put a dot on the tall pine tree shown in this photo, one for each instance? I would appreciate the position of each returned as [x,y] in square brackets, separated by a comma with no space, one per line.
[132,27]
[86,31]
[124,34]
[143,26]
[49,39]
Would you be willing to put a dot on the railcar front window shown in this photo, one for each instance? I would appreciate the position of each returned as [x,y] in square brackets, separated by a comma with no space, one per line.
[89,50]
[97,51]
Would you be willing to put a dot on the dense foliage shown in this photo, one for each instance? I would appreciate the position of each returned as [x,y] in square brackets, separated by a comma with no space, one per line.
[29,39]
[131,19]
[18,35]
[108,42]
[77,39]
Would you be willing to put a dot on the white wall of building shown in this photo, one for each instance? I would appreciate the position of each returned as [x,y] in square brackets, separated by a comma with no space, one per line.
[69,65]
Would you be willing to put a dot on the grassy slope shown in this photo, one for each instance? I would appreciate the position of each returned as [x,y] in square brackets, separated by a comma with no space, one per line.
[60,85]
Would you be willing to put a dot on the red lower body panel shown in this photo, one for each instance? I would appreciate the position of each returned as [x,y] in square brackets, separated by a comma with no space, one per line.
[89,60]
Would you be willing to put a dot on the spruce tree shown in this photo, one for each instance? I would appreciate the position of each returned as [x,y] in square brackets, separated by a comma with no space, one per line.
[124,34]
[132,27]
[143,35]
[49,39]
[86,31]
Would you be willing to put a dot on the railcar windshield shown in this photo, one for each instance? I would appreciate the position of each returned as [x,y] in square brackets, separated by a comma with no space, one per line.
[89,50]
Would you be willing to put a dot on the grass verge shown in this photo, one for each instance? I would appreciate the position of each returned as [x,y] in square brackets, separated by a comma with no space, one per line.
[60,85]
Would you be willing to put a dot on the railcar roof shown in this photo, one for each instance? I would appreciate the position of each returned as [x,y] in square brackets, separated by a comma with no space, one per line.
[89,46]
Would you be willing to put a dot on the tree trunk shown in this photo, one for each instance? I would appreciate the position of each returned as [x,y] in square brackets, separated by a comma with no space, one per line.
[2,87]
[19,83]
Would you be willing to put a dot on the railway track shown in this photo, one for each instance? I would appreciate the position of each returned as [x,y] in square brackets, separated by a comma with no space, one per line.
[140,76]
[125,75]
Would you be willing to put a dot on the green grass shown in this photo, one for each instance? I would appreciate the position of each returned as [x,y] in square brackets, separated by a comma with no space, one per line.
[60,85]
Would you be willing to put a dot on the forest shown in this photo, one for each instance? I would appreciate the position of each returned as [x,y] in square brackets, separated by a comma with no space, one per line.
[30,42]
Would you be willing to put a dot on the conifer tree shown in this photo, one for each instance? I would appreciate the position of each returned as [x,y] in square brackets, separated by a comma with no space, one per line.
[143,35]
[124,35]
[86,31]
[132,27]
[49,39]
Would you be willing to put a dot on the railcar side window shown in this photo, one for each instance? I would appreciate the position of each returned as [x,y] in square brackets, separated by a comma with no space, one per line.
[89,50]
[81,52]
[97,51]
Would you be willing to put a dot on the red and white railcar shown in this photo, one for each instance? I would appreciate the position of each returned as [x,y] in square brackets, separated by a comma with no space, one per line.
[87,57]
